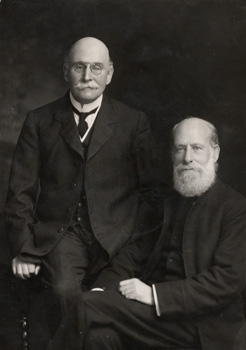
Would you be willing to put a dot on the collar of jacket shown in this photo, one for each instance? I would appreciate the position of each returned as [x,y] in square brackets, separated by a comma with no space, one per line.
[103,129]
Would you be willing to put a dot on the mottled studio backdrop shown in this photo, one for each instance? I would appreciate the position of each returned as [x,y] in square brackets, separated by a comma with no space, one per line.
[172,58]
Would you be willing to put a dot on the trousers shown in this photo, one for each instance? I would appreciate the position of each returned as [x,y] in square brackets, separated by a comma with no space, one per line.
[109,321]
[67,266]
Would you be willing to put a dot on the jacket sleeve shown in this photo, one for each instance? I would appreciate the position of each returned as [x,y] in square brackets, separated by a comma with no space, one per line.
[129,263]
[23,186]
[217,286]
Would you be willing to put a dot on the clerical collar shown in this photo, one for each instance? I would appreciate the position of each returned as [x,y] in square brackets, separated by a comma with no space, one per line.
[88,106]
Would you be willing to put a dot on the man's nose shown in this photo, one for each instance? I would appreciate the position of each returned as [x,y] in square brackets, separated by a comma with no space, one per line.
[188,158]
[87,73]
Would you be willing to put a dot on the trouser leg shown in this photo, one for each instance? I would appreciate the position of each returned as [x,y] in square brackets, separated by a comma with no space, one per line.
[64,268]
[63,271]
[138,323]
[75,333]
[104,338]
[132,321]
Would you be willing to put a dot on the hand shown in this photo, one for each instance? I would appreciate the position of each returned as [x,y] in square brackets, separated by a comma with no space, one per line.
[23,269]
[136,290]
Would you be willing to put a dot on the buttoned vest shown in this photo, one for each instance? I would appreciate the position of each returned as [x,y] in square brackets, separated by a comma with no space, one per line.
[81,216]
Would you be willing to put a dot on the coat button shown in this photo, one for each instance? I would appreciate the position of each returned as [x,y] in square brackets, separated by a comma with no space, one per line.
[79,218]
[61,229]
[74,185]
[80,204]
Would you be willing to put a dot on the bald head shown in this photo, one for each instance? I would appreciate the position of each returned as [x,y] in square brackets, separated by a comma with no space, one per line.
[88,69]
[89,44]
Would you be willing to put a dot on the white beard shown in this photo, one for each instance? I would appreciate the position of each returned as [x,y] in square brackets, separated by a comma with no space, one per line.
[193,179]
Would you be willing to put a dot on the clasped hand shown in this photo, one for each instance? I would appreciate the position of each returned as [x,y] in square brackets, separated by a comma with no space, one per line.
[136,290]
[23,269]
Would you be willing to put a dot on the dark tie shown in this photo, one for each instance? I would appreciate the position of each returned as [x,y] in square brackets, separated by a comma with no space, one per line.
[82,126]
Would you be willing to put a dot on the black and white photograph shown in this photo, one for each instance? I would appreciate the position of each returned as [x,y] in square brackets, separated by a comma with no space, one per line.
[123,175]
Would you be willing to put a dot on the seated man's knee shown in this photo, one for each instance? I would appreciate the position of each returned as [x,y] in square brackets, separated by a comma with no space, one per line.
[93,296]
[100,298]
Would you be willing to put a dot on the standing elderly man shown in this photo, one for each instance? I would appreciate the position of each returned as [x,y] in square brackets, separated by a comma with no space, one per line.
[190,293]
[82,178]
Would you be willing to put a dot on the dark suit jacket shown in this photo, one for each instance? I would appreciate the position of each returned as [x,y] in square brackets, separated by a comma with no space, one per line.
[119,177]
[214,253]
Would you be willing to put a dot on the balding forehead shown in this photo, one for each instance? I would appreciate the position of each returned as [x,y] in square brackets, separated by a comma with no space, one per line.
[91,41]
[90,45]
[193,122]
[191,130]
[193,125]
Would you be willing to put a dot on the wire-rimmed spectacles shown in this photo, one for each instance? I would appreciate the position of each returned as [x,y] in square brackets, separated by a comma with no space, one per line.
[95,69]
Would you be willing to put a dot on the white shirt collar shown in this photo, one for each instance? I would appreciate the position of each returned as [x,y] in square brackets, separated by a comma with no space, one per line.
[88,106]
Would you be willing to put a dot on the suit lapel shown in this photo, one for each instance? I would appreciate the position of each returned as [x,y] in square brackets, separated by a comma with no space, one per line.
[103,129]
[69,130]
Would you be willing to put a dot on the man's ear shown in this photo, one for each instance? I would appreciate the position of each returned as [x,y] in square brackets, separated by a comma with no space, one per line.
[216,150]
[110,74]
[65,72]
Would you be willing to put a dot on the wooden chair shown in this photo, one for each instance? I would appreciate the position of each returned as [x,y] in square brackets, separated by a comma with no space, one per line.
[39,313]
[24,315]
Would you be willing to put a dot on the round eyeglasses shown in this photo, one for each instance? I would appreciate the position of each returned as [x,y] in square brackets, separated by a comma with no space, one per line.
[94,68]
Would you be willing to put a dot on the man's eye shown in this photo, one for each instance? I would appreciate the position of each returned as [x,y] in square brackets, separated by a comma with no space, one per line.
[96,68]
[78,67]
[179,149]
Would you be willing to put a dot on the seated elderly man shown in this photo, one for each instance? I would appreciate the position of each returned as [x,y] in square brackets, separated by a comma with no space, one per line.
[189,295]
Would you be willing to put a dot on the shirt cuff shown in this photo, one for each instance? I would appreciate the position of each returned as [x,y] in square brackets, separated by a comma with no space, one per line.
[97,290]
[28,258]
[157,308]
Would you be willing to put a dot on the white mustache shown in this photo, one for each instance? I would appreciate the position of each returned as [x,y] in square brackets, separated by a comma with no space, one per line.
[196,167]
[82,86]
